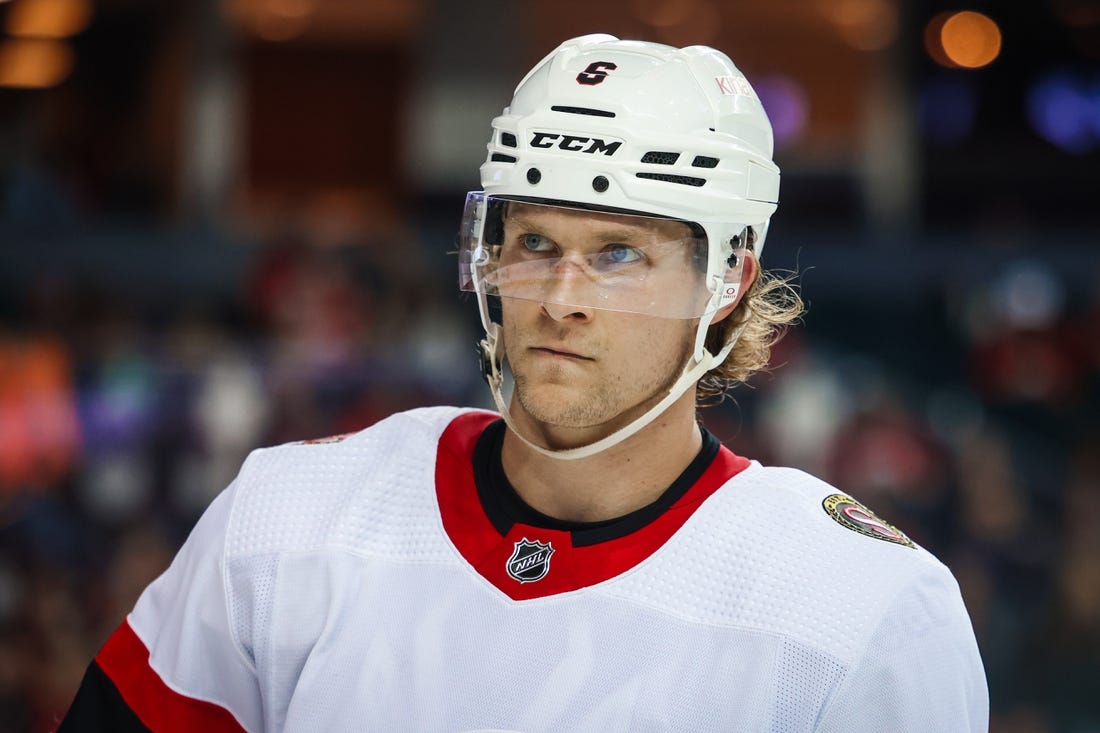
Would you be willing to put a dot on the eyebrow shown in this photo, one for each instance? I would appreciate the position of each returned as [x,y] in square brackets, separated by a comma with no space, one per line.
[616,233]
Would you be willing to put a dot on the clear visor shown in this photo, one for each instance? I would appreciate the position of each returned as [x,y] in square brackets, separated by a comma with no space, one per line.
[581,258]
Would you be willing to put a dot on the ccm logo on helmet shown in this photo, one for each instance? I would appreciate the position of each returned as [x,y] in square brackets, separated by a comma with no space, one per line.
[595,72]
[574,143]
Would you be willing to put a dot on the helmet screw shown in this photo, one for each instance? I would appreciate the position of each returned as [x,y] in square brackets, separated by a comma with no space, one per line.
[600,184]
[533,176]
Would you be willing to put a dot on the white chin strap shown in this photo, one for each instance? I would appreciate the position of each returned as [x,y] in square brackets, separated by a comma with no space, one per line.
[702,362]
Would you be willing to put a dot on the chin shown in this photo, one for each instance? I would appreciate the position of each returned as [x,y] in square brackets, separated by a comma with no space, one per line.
[562,406]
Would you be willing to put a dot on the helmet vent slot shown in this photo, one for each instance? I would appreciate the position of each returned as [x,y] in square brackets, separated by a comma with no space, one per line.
[507,139]
[502,158]
[660,158]
[704,161]
[682,180]
[582,111]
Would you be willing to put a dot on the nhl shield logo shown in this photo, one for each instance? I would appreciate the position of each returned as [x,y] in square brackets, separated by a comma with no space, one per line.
[530,561]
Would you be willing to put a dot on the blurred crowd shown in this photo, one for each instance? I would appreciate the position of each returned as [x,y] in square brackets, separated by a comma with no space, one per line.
[972,421]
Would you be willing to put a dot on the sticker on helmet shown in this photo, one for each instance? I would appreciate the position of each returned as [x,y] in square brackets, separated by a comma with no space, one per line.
[850,513]
[596,72]
[734,85]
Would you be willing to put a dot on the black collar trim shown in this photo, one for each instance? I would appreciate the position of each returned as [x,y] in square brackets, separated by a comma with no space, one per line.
[504,507]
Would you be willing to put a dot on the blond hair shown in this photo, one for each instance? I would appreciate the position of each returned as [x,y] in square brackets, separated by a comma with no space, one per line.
[770,305]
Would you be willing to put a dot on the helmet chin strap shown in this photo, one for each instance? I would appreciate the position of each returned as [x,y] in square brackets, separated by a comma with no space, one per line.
[701,362]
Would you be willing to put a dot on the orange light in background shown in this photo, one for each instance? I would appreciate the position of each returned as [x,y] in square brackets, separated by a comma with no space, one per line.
[965,39]
[971,39]
[49,18]
[34,63]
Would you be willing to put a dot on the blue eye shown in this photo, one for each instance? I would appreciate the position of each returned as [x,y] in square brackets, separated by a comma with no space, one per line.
[620,254]
[535,243]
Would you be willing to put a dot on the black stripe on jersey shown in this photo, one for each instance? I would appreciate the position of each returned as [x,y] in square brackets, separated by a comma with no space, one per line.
[98,706]
[504,507]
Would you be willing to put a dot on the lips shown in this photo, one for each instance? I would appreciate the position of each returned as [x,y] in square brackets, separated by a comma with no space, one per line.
[560,353]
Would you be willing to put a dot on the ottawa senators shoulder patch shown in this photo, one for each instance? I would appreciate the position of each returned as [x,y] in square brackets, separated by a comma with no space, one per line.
[849,513]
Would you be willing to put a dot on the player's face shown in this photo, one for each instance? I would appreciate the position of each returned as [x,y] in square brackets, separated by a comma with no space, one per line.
[581,366]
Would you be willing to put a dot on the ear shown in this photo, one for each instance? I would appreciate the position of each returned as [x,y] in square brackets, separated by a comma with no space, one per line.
[748,271]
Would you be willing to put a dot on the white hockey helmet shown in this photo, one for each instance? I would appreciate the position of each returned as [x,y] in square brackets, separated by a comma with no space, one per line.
[639,126]
[633,128]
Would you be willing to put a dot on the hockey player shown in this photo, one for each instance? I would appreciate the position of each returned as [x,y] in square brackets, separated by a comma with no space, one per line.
[590,559]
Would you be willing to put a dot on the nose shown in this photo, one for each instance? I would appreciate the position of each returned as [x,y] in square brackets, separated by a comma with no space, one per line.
[568,284]
[560,312]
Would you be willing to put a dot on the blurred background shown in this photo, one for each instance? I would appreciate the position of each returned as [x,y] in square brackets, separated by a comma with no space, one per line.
[226,224]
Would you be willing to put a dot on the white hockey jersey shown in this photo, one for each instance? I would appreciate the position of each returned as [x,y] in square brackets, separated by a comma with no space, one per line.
[386,581]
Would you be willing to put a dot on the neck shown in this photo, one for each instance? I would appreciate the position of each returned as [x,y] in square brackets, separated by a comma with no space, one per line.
[608,484]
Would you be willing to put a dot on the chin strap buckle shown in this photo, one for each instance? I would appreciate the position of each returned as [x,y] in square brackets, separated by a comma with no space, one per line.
[490,359]
[486,360]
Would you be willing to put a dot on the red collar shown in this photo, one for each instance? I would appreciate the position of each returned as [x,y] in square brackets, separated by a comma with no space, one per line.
[534,562]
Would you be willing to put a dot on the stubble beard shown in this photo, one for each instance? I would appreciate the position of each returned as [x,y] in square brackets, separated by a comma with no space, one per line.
[563,403]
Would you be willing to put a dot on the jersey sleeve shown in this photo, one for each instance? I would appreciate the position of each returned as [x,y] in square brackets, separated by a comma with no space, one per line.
[920,671]
[175,664]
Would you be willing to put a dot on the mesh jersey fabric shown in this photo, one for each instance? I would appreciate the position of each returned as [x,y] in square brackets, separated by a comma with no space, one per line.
[321,592]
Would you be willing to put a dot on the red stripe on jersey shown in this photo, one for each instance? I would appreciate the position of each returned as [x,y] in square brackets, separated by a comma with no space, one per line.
[571,568]
[125,659]
[459,506]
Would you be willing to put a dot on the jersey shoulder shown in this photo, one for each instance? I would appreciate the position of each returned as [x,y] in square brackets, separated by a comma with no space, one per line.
[828,507]
[370,491]
[829,518]
[781,552]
